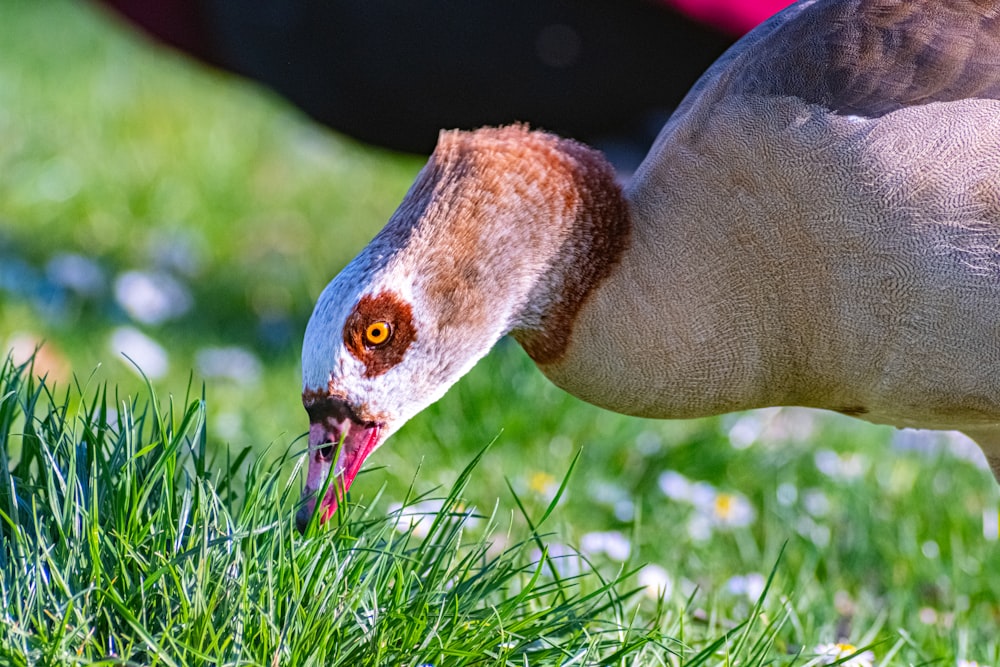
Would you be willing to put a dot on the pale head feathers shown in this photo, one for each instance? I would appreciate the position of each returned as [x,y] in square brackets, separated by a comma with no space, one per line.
[504,229]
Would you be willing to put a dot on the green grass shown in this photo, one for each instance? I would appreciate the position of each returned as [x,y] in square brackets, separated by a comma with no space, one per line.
[128,155]
[120,545]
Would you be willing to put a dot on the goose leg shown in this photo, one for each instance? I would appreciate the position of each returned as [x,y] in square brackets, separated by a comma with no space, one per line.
[988,439]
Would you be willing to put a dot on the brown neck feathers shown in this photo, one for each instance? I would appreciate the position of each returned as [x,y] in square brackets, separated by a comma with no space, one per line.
[597,238]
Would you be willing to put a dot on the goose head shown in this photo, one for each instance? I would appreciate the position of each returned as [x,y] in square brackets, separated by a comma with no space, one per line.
[497,234]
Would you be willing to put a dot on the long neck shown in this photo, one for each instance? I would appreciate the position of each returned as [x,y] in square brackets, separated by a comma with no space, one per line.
[708,309]
[595,237]
[514,230]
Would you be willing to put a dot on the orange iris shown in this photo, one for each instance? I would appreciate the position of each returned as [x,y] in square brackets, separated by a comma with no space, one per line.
[377,333]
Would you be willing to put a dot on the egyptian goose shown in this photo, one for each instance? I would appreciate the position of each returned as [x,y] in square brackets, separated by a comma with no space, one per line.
[818,224]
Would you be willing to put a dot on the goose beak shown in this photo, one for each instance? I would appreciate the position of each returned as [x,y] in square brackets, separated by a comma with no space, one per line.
[332,426]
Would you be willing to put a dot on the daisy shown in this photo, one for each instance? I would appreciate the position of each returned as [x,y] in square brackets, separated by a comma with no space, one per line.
[750,585]
[731,510]
[850,654]
[610,543]
[845,467]
[655,581]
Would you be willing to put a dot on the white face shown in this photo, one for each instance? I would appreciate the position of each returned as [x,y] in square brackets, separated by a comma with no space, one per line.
[451,272]
[387,381]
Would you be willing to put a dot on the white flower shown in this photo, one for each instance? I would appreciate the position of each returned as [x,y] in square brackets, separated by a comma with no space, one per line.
[714,508]
[564,559]
[750,585]
[142,350]
[674,485]
[151,298]
[817,533]
[816,502]
[991,524]
[747,429]
[76,272]
[543,485]
[699,528]
[831,653]
[772,426]
[419,517]
[611,543]
[232,363]
[703,494]
[655,581]
[840,466]
[728,510]
[787,494]
[932,443]
[625,510]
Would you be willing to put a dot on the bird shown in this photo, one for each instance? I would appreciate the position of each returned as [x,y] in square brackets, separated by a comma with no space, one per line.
[817,224]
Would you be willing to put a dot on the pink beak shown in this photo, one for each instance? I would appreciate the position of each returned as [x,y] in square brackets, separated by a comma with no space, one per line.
[332,425]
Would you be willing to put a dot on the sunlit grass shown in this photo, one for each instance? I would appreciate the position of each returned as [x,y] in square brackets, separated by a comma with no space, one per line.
[123,540]
[140,162]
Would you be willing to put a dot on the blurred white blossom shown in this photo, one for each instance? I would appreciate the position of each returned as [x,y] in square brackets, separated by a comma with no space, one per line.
[420,516]
[542,484]
[151,298]
[713,508]
[847,466]
[611,543]
[927,615]
[827,654]
[615,496]
[774,426]
[76,272]
[816,533]
[751,586]
[787,494]
[564,559]
[135,348]
[232,363]
[676,486]
[728,510]
[991,524]
[816,502]
[933,443]
[655,581]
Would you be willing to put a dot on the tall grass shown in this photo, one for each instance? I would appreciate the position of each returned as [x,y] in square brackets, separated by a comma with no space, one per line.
[126,538]
[124,542]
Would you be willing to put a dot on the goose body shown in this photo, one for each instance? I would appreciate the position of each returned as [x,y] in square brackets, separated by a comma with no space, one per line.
[818,224]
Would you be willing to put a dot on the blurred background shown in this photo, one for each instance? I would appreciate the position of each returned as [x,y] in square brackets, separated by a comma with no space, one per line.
[158,211]
[179,180]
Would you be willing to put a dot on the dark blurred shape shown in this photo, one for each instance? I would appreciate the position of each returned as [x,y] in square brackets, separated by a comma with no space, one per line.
[394,72]
[733,16]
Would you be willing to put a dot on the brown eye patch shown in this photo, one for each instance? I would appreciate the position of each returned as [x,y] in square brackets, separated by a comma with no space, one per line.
[379,331]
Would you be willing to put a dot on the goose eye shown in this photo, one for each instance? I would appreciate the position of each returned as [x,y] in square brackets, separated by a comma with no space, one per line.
[377,333]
